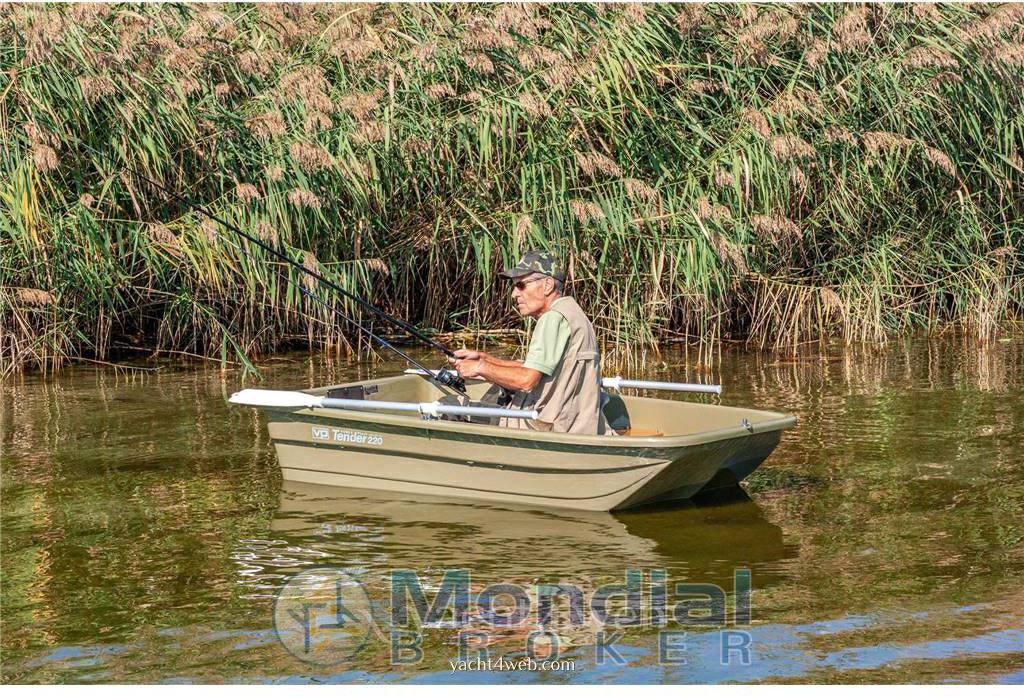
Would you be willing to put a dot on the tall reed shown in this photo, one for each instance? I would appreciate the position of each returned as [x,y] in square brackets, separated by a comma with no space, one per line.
[766,173]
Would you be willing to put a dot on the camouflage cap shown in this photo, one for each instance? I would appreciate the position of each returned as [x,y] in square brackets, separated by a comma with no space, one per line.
[536,261]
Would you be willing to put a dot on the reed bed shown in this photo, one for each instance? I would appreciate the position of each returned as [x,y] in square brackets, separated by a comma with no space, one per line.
[763,173]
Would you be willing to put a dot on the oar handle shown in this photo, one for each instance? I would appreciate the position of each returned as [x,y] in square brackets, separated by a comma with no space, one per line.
[429,408]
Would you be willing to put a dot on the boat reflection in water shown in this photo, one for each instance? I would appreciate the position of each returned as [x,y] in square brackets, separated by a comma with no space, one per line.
[374,532]
[369,534]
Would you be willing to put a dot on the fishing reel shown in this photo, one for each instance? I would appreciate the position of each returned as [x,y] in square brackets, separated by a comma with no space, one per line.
[451,378]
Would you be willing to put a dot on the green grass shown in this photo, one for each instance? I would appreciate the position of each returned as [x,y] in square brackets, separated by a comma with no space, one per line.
[772,174]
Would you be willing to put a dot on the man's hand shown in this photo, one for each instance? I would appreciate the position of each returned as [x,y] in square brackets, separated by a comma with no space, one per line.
[469,368]
[466,354]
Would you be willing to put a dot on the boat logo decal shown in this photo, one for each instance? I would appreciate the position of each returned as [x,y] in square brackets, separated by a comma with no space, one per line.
[352,436]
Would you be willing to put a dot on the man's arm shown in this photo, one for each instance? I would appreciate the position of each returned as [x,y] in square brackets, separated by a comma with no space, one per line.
[466,354]
[501,362]
[550,338]
[509,374]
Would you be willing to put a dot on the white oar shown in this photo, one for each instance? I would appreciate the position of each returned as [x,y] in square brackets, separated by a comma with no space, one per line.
[618,383]
[268,398]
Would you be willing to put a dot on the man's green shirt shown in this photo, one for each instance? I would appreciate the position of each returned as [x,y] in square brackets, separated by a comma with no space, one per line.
[547,346]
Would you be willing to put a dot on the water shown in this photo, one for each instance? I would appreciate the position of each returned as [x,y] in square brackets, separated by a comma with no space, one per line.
[146,530]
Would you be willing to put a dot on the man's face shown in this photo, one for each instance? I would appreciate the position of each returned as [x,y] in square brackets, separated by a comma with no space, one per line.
[531,293]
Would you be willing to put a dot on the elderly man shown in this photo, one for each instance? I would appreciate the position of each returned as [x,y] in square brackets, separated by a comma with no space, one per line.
[561,376]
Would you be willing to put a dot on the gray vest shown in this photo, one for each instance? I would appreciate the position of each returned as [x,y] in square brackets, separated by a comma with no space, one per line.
[569,401]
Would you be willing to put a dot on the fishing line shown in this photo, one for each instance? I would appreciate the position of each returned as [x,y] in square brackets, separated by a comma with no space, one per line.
[443,378]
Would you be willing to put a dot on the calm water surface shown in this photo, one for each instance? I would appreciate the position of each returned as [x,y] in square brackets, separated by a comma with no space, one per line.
[146,529]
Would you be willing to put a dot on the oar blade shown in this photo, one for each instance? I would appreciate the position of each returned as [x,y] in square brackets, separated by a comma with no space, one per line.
[269,398]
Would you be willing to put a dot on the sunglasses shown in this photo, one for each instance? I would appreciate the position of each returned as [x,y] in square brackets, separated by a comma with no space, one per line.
[520,285]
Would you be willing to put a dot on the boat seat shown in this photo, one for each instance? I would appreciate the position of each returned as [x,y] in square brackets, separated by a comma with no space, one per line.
[641,432]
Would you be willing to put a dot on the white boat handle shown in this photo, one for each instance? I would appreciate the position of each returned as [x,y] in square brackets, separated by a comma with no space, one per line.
[269,398]
[618,383]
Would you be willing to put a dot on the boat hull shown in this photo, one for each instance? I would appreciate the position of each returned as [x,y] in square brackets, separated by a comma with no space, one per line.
[506,466]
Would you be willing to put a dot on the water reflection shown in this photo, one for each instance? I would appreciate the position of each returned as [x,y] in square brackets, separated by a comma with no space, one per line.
[375,530]
[145,530]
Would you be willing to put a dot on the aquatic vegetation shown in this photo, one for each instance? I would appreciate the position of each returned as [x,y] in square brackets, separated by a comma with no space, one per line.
[771,174]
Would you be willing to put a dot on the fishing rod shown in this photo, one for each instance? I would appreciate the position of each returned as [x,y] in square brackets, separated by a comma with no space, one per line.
[441,381]
[442,378]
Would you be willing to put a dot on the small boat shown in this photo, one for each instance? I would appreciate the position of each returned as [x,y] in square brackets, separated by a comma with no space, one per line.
[361,435]
[374,434]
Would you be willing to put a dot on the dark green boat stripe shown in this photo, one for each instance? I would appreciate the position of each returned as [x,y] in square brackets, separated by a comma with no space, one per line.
[349,447]
[520,443]
[640,483]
